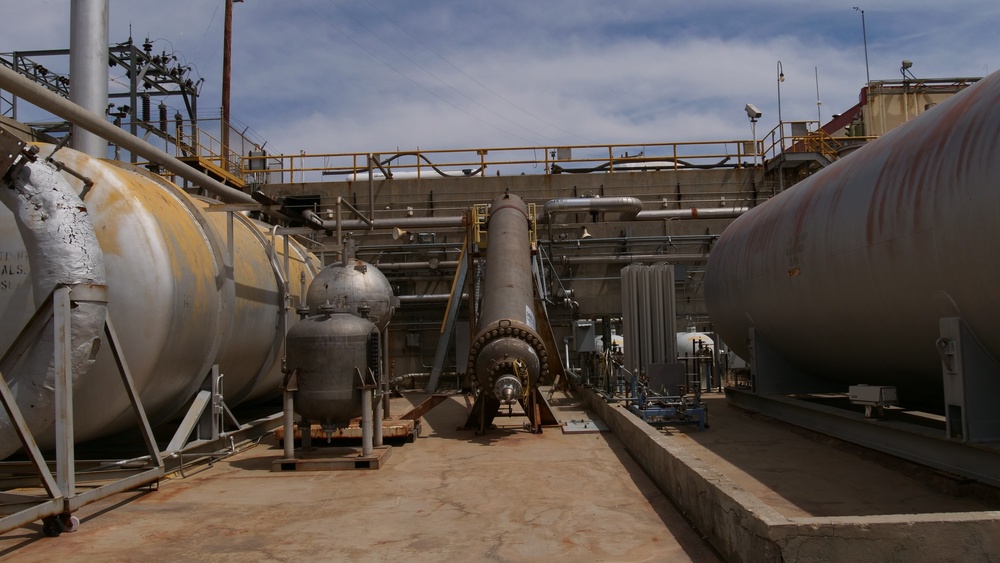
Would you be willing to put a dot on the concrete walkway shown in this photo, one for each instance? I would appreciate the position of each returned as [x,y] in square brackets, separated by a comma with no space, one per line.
[451,495]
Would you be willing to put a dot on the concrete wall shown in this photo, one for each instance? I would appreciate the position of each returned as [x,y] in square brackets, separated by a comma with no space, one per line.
[743,528]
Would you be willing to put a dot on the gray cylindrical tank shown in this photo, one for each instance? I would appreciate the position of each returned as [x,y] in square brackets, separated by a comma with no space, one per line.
[847,274]
[325,350]
[508,330]
[182,297]
[357,288]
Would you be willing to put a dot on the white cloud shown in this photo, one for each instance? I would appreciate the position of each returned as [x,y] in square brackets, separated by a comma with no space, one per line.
[337,76]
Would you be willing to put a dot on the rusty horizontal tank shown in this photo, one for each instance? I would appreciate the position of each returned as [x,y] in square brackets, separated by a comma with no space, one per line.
[183,294]
[846,275]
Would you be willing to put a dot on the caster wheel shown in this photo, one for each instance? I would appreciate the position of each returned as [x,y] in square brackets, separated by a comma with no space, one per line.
[52,526]
[69,523]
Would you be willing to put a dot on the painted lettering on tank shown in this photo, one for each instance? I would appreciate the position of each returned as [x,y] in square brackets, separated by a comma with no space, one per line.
[13,269]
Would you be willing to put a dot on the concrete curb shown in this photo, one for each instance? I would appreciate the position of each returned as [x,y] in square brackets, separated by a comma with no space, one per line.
[743,528]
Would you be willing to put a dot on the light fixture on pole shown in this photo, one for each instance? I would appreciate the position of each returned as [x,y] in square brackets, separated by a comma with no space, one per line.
[819,103]
[781,78]
[754,114]
[864,37]
[905,70]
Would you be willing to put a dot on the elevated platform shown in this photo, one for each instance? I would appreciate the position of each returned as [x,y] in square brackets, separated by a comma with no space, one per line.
[210,167]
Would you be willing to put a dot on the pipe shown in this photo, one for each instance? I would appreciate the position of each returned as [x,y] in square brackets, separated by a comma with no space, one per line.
[429,298]
[428,265]
[629,207]
[377,428]
[401,222]
[88,68]
[692,213]
[629,258]
[53,103]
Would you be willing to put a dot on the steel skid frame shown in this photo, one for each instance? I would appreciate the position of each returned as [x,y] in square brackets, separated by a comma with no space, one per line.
[666,410]
[61,496]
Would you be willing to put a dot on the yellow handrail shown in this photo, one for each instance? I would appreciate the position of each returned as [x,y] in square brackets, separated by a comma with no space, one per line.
[434,163]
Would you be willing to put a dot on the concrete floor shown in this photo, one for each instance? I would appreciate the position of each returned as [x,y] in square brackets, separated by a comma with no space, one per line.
[506,496]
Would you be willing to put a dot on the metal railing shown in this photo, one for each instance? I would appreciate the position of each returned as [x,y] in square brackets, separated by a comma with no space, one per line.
[805,137]
[302,167]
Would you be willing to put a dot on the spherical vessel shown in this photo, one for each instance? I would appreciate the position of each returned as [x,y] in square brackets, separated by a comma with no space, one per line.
[326,351]
[357,288]
[846,275]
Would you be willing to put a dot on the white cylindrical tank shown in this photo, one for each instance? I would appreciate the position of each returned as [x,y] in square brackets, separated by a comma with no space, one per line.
[184,294]
[687,343]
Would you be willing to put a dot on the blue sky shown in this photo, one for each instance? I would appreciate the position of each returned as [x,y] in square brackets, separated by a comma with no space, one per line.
[376,75]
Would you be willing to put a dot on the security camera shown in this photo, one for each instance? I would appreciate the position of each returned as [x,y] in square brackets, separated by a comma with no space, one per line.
[752,111]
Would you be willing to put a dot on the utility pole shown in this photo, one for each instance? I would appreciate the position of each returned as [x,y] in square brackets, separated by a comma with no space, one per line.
[227,70]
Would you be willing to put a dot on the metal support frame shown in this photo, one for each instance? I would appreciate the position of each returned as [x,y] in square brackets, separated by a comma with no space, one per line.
[666,410]
[206,417]
[450,316]
[62,496]
[920,444]
[971,384]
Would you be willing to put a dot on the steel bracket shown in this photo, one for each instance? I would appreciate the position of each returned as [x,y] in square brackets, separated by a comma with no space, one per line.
[971,384]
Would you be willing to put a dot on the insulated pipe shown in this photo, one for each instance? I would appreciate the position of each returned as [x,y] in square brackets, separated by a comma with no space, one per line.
[628,259]
[88,68]
[629,207]
[692,213]
[62,250]
[80,117]
[400,222]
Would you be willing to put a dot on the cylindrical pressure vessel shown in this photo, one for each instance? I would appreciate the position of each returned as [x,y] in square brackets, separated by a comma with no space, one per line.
[187,290]
[847,274]
[508,357]
[324,350]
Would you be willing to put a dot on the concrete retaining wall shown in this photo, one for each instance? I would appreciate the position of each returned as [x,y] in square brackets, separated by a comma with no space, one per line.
[743,528]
